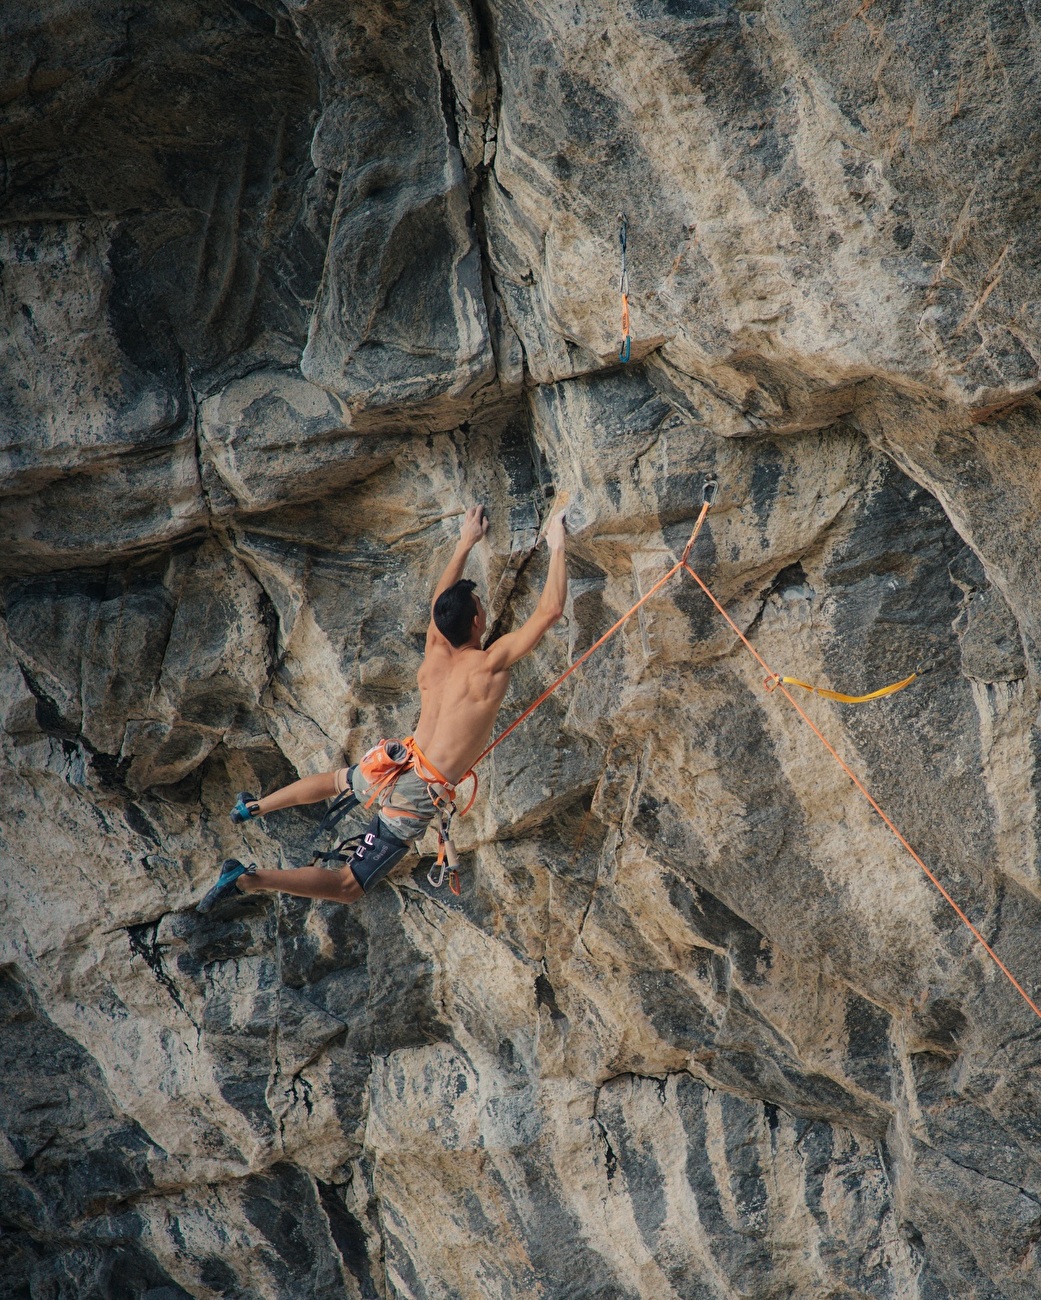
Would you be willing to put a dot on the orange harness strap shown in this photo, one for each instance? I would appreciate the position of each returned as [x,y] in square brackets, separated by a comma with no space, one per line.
[427,772]
[384,783]
[437,786]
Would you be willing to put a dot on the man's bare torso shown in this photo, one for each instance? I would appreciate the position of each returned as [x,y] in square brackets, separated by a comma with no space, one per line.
[460,697]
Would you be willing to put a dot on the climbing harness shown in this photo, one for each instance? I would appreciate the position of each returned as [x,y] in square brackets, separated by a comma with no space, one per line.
[382,766]
[776,682]
[627,338]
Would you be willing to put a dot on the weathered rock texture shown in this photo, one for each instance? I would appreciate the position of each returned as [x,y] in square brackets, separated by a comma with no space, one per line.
[287,286]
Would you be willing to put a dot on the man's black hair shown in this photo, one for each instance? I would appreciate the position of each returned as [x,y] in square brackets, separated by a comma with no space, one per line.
[455,610]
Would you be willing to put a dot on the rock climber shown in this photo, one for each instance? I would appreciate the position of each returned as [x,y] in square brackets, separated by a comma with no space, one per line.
[461,687]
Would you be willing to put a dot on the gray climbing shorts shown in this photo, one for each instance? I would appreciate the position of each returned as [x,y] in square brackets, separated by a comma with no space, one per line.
[405,808]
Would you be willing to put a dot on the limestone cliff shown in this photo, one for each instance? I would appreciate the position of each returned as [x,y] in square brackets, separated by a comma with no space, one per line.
[287,285]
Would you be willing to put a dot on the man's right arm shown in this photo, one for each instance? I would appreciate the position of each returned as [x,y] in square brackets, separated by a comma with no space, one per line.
[515,645]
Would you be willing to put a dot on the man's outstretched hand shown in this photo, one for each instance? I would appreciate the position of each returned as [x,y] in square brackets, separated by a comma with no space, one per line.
[556,532]
[475,525]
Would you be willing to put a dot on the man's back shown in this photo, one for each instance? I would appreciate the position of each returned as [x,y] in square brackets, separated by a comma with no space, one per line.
[460,693]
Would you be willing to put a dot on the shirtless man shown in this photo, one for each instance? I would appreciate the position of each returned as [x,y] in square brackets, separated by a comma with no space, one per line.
[461,688]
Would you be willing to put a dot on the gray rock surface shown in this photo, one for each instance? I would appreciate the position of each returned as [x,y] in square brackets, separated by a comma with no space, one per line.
[285,286]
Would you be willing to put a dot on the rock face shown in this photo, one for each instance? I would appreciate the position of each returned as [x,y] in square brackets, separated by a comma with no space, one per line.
[286,286]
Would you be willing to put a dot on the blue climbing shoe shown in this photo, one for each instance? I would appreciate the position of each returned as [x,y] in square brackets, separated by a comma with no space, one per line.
[243,810]
[225,887]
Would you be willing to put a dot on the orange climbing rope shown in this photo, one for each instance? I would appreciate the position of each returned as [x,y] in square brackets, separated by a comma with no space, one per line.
[775,682]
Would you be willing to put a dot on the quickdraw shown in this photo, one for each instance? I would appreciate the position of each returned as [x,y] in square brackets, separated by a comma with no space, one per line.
[447,857]
[627,338]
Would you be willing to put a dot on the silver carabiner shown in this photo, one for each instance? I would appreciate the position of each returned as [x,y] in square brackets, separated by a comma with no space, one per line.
[709,491]
[449,857]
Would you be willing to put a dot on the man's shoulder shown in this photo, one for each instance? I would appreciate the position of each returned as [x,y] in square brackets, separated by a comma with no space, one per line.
[444,658]
[442,654]
[476,660]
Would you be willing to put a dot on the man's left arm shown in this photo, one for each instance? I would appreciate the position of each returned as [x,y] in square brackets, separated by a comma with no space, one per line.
[475,526]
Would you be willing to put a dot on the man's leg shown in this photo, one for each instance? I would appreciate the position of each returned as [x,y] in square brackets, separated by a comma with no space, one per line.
[309,789]
[306,882]
[374,857]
